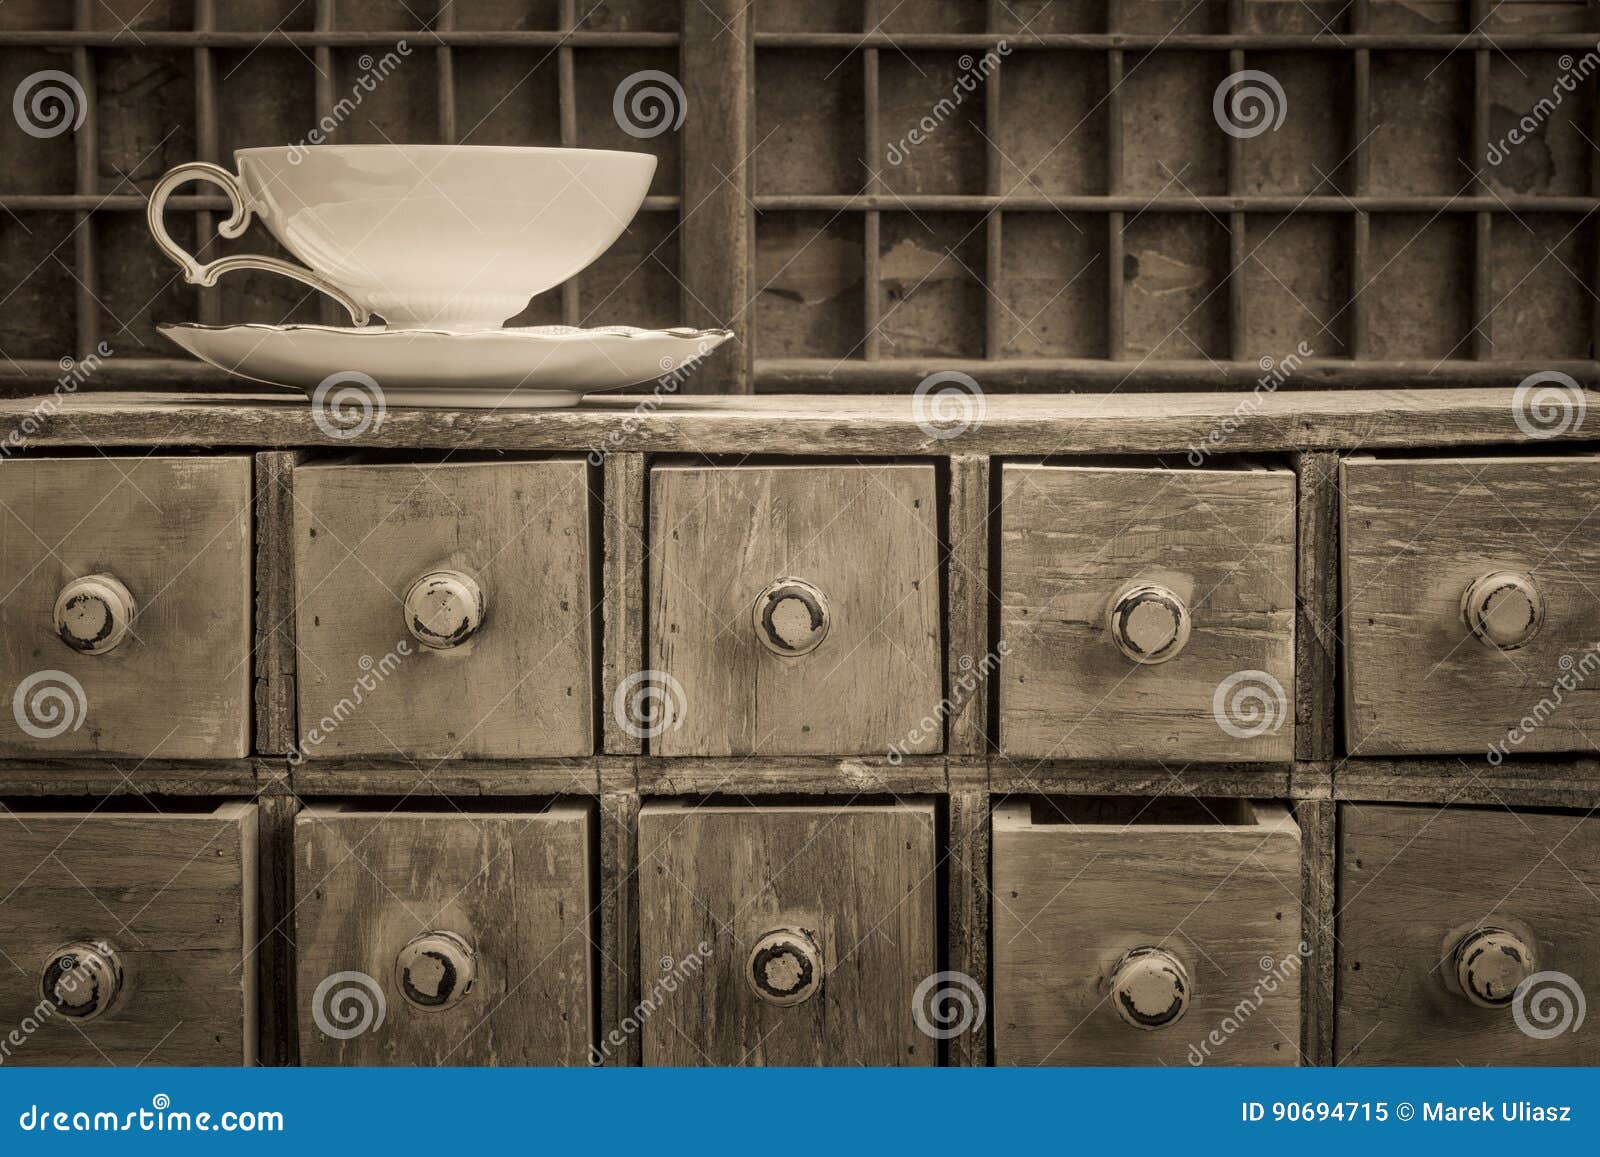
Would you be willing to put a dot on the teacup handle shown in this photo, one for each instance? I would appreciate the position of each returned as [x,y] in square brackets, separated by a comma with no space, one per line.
[195,273]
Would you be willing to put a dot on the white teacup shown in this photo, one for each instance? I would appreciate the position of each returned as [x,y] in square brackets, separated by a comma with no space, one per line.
[453,237]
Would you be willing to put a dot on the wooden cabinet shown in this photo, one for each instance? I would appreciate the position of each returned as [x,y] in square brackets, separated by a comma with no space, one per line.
[786,935]
[1470,587]
[1134,931]
[794,610]
[130,936]
[125,622]
[1444,914]
[444,609]
[456,937]
[1147,614]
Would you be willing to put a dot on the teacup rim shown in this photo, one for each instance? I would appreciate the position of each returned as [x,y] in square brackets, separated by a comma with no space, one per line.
[372,146]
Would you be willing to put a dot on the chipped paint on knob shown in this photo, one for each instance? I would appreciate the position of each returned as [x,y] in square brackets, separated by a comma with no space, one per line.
[1150,988]
[436,971]
[83,980]
[1503,609]
[785,967]
[444,609]
[1490,963]
[791,617]
[1149,623]
[94,613]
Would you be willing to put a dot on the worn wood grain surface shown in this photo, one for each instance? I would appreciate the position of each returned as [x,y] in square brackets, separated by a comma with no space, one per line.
[859,880]
[622,592]
[1412,882]
[1074,893]
[520,686]
[176,532]
[1073,538]
[866,536]
[1054,423]
[515,886]
[274,603]
[1416,534]
[174,893]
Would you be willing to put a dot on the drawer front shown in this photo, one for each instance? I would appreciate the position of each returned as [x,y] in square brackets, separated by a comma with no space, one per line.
[1472,614]
[444,939]
[1122,941]
[131,939]
[786,935]
[1147,614]
[796,608]
[444,610]
[1443,914]
[125,625]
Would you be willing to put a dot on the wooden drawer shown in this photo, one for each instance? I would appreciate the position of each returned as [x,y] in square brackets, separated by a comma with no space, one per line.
[444,609]
[791,935]
[1443,913]
[125,621]
[1147,614]
[1471,606]
[1139,932]
[450,938]
[795,609]
[129,937]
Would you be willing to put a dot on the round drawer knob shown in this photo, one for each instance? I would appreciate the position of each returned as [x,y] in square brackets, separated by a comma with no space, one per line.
[785,967]
[436,970]
[1150,988]
[93,614]
[1490,963]
[1503,609]
[1149,623]
[444,608]
[82,980]
[791,617]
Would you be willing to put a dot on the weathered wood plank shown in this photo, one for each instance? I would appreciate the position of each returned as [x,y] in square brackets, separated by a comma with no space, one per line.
[620,1042]
[1316,641]
[1318,821]
[274,607]
[623,587]
[968,907]
[967,642]
[1018,424]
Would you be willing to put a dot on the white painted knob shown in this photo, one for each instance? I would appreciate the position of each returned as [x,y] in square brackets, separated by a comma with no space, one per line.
[1503,609]
[94,613]
[435,971]
[444,608]
[791,617]
[785,967]
[1150,988]
[1490,963]
[83,979]
[1149,623]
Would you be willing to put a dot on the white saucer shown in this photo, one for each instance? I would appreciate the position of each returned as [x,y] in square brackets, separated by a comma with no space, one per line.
[534,368]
